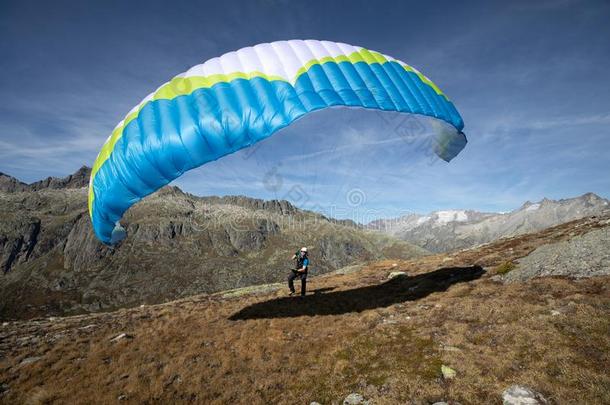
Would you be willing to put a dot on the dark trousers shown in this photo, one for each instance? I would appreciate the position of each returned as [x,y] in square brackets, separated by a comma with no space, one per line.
[302,276]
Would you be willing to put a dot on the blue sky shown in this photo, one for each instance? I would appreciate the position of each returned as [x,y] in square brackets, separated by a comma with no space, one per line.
[530,78]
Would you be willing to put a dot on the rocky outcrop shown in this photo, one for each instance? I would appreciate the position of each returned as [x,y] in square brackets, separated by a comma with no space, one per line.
[253,237]
[81,249]
[10,184]
[586,255]
[335,250]
[17,241]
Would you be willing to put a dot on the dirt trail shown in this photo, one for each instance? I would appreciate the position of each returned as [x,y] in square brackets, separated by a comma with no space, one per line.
[358,332]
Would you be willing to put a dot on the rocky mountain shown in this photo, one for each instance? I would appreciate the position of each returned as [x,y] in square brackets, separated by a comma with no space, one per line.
[443,231]
[177,245]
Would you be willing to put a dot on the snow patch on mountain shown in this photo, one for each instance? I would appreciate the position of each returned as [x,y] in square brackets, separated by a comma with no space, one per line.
[422,220]
[444,217]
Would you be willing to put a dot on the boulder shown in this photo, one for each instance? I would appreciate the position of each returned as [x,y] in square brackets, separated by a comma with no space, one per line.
[521,395]
[448,372]
[355,399]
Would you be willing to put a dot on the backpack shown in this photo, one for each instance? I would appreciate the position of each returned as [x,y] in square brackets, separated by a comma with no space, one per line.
[299,260]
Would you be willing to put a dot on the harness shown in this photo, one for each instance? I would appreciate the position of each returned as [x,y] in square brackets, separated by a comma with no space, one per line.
[299,261]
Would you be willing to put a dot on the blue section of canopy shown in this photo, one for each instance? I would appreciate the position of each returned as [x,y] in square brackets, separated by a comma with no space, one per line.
[172,136]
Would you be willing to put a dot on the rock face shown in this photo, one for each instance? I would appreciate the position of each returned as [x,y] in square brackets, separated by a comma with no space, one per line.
[17,241]
[11,184]
[587,255]
[177,245]
[444,231]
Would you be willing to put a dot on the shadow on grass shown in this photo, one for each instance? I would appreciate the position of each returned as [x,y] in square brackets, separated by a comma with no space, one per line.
[396,290]
[322,290]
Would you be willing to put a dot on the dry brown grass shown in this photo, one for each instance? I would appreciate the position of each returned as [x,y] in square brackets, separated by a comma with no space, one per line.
[494,336]
[360,332]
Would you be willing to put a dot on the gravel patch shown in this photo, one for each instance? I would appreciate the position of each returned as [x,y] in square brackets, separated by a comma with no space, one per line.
[582,256]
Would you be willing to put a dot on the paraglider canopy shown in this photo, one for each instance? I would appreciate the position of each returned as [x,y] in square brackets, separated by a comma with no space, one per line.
[233,101]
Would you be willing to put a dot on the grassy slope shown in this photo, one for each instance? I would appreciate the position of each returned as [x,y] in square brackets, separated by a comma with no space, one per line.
[386,339]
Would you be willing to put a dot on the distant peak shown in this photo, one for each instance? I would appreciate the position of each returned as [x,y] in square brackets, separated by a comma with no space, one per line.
[546,201]
[170,190]
[532,206]
[79,179]
[587,198]
[84,170]
[591,196]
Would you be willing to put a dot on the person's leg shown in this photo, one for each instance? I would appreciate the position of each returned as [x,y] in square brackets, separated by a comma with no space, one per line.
[303,283]
[291,278]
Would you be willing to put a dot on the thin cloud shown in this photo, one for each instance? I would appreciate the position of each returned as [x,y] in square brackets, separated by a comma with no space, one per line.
[594,119]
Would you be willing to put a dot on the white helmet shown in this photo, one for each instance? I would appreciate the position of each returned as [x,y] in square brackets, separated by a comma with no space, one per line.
[304,249]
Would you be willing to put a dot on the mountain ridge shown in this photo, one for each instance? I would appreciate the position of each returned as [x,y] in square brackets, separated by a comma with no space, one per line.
[446,230]
[78,179]
[178,245]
